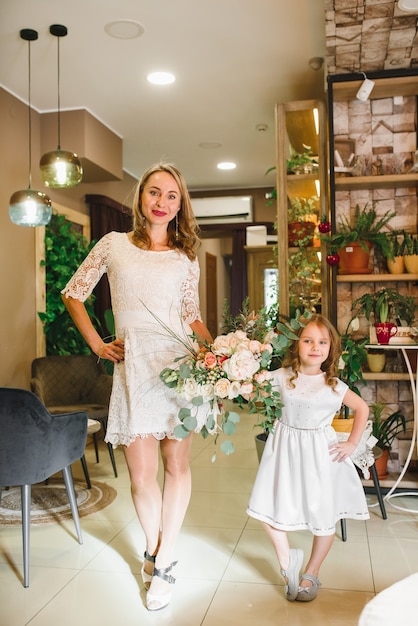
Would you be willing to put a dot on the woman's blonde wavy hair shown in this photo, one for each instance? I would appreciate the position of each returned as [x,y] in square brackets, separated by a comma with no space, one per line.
[185,235]
[330,365]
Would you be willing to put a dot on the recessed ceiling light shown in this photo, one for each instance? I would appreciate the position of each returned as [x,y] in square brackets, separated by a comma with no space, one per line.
[161,78]
[124,29]
[226,165]
[210,145]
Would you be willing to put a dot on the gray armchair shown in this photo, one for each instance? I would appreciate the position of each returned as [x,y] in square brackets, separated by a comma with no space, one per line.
[34,445]
[75,383]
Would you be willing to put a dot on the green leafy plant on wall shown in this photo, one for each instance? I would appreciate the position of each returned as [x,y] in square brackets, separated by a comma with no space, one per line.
[65,249]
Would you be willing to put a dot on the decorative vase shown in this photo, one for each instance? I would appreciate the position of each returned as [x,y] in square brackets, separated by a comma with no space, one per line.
[354,259]
[411,263]
[376,361]
[298,232]
[396,266]
[384,331]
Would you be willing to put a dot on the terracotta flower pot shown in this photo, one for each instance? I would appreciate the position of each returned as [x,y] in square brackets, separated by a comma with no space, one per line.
[381,463]
[354,259]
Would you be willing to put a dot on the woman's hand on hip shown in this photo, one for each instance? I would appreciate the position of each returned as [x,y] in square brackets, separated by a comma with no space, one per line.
[113,351]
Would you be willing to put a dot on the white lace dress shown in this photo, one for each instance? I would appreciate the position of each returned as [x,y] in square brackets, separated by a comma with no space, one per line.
[165,283]
[298,486]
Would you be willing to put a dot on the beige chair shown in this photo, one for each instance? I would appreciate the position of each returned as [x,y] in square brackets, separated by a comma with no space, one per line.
[75,383]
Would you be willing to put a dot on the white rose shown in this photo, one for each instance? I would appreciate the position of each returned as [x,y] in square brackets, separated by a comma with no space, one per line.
[206,391]
[255,346]
[190,389]
[221,388]
[234,390]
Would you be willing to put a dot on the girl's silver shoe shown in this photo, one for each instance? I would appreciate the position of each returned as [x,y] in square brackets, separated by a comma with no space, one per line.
[292,573]
[306,594]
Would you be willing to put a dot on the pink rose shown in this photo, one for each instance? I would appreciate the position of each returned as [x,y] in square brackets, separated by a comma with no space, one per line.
[210,360]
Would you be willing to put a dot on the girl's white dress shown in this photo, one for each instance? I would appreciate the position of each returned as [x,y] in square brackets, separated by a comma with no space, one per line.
[298,486]
[144,284]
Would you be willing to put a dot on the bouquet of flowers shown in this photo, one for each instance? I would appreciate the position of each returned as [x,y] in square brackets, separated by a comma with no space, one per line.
[235,367]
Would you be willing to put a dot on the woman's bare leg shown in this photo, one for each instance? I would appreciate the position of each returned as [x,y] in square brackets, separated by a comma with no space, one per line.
[142,460]
[175,500]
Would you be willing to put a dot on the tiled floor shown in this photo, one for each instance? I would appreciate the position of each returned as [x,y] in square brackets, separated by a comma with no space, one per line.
[227,572]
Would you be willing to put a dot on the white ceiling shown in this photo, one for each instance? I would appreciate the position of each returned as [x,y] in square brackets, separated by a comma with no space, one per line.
[233,59]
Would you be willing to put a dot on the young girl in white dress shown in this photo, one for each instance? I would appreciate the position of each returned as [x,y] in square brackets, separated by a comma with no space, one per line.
[152,271]
[306,479]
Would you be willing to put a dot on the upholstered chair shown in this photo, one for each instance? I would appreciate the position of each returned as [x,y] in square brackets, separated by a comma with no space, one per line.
[74,383]
[34,445]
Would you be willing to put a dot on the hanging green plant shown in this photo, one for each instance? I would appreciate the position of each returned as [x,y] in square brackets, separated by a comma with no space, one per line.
[65,249]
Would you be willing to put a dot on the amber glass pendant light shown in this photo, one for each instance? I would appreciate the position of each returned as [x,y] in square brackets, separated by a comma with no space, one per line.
[60,168]
[29,207]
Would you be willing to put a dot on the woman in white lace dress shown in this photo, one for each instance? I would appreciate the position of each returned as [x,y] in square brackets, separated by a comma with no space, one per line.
[306,479]
[153,275]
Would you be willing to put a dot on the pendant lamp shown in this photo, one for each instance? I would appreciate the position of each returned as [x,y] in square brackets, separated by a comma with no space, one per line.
[29,207]
[60,168]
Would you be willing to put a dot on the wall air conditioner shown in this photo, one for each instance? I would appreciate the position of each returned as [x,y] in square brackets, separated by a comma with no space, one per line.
[223,210]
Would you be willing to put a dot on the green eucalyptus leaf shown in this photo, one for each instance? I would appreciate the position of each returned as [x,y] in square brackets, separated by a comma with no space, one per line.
[190,422]
[180,432]
[227,447]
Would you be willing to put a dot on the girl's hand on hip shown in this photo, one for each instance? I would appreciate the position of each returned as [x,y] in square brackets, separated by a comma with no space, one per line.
[341,451]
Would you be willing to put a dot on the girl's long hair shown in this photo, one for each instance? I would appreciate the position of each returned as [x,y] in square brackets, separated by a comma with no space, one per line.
[183,231]
[330,365]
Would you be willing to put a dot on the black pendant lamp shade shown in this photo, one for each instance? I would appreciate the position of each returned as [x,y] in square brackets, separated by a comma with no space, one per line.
[28,207]
[60,168]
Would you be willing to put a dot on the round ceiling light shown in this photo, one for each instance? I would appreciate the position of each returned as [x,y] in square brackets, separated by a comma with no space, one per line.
[226,165]
[124,29]
[161,78]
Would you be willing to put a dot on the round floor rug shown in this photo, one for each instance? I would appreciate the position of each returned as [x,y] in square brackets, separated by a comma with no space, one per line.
[49,503]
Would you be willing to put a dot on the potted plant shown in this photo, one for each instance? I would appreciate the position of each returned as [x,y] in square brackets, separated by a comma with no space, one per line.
[302,220]
[395,262]
[350,245]
[411,253]
[385,429]
[353,357]
[387,306]
[301,162]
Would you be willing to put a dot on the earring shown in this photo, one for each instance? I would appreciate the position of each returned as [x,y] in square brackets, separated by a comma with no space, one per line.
[177,226]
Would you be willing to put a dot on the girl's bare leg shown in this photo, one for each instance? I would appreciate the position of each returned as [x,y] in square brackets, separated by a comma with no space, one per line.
[320,548]
[280,543]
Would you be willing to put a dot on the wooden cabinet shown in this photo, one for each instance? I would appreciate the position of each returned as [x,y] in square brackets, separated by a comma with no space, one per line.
[299,124]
